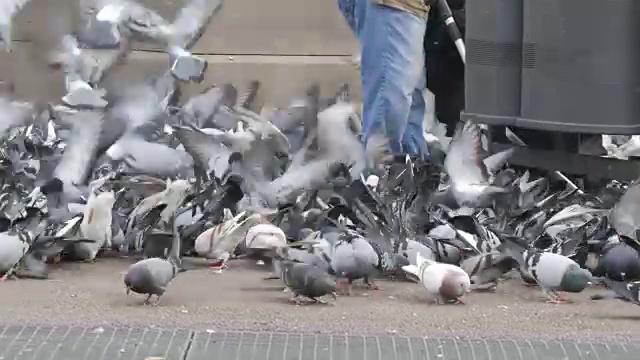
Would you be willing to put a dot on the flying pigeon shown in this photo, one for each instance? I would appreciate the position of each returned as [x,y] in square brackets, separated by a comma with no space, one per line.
[469,174]
[8,9]
[145,24]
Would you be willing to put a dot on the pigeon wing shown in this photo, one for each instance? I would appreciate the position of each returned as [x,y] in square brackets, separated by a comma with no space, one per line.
[77,160]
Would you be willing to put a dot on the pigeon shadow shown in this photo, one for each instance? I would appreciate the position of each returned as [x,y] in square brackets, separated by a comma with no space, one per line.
[286,300]
[425,300]
[263,288]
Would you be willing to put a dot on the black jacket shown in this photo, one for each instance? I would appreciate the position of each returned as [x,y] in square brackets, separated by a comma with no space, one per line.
[445,69]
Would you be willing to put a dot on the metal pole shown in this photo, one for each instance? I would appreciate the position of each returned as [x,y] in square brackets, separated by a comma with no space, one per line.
[452,28]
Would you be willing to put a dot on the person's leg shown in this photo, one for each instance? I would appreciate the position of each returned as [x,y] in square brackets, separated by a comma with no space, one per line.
[348,10]
[413,141]
[391,70]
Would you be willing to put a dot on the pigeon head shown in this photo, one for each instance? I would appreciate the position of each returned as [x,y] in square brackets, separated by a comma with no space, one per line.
[139,280]
[235,157]
[575,279]
[454,285]
[229,95]
[54,185]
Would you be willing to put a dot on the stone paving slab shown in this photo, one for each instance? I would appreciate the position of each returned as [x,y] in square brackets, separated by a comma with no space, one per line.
[77,343]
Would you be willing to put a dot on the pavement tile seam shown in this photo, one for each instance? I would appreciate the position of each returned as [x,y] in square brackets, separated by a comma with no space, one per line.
[29,342]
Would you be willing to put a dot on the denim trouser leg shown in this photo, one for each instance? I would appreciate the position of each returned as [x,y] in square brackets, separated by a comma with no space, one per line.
[348,10]
[392,75]
[413,141]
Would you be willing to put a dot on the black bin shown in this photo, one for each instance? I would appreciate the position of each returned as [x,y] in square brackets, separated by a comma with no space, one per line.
[493,61]
[581,66]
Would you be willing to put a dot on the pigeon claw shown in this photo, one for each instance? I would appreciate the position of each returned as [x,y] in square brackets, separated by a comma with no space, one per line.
[558,301]
[56,259]
[459,301]
[343,286]
[295,300]
[372,285]
[320,301]
[218,266]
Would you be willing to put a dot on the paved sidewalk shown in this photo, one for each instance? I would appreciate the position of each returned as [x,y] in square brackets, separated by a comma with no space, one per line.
[76,343]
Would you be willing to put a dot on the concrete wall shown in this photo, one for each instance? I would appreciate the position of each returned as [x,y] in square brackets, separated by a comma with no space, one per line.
[286,44]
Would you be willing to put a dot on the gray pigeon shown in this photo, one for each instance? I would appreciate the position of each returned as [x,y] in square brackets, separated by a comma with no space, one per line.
[618,262]
[204,107]
[98,34]
[12,248]
[152,276]
[552,272]
[485,269]
[299,256]
[144,24]
[469,174]
[625,217]
[304,279]
[8,8]
[151,158]
[351,257]
[626,291]
[14,114]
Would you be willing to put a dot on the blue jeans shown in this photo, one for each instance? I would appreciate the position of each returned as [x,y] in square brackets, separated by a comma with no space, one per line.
[392,72]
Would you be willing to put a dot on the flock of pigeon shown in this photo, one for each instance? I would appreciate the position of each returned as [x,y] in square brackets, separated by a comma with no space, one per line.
[127,168]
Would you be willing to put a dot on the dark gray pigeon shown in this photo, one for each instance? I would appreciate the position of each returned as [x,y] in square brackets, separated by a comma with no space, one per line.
[618,262]
[626,291]
[152,276]
[304,280]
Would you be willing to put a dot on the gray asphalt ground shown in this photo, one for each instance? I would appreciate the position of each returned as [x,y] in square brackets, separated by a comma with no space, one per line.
[83,312]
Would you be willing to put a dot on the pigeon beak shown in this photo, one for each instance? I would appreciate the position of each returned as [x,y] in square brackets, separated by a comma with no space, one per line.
[334,295]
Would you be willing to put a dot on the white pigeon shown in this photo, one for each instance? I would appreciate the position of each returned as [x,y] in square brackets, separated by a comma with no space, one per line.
[219,242]
[443,282]
[96,224]
[265,237]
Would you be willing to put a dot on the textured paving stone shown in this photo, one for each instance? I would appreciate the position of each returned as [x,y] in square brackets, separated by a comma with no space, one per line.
[76,343]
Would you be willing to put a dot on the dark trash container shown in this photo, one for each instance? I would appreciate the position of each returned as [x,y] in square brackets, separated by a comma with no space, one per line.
[581,65]
[493,60]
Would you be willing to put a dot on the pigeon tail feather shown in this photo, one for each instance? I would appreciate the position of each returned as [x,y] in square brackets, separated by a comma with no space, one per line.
[411,269]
